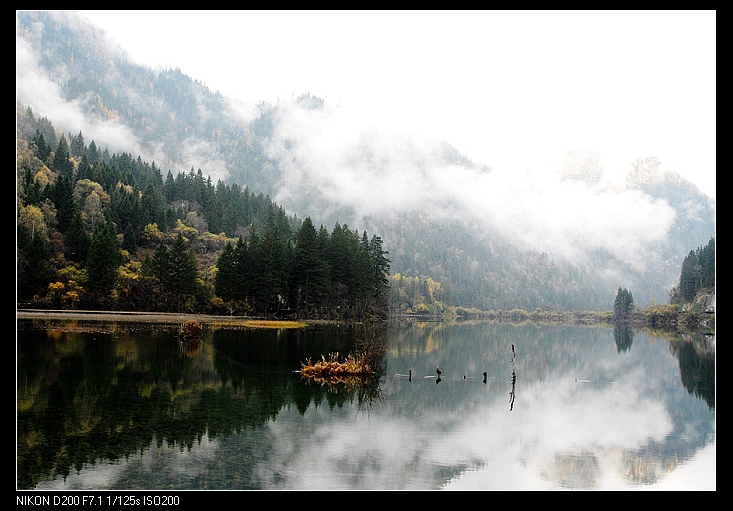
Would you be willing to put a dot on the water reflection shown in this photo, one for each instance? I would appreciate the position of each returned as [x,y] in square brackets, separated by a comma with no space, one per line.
[128,408]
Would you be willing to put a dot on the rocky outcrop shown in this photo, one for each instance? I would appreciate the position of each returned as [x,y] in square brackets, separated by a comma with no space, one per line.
[704,302]
[701,312]
[710,305]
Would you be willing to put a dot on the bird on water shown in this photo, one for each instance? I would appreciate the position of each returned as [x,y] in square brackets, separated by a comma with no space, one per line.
[438,371]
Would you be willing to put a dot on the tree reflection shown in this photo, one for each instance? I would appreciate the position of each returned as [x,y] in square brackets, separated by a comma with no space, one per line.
[87,398]
[370,352]
[623,336]
[513,393]
[697,367]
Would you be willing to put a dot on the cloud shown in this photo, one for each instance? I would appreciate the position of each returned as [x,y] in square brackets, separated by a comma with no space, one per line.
[339,156]
[40,90]
[374,159]
[35,88]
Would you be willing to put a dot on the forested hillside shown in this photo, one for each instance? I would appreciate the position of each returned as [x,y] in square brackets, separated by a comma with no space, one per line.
[697,273]
[198,163]
[101,231]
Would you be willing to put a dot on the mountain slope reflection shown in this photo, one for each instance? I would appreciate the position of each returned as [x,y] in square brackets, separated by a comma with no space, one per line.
[127,409]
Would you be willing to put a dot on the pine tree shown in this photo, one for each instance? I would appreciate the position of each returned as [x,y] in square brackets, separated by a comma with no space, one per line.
[129,241]
[103,260]
[160,264]
[309,271]
[61,163]
[92,153]
[152,206]
[380,265]
[243,268]
[77,148]
[34,270]
[707,262]
[623,304]
[77,240]
[84,170]
[31,189]
[43,149]
[62,195]
[182,270]
[271,277]
[687,287]
[225,273]
[697,272]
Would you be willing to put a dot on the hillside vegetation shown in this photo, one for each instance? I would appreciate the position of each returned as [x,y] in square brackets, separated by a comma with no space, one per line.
[100,231]
[436,262]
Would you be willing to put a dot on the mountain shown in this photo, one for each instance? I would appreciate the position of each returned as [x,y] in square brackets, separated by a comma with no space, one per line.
[492,240]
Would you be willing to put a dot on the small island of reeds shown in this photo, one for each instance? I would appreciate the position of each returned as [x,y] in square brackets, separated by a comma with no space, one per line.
[333,367]
[363,364]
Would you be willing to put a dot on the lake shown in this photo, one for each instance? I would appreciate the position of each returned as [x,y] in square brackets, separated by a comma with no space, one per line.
[123,405]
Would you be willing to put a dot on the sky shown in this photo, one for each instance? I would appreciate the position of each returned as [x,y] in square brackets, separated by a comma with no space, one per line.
[513,89]
[536,96]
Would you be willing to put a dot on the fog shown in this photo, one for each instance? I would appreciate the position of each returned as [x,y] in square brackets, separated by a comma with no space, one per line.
[551,107]
[40,90]
[35,88]
[508,88]
[377,171]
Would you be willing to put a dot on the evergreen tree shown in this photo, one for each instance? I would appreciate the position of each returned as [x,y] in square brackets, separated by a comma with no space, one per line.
[76,240]
[92,153]
[687,287]
[77,148]
[153,209]
[129,240]
[338,261]
[182,270]
[44,151]
[127,210]
[170,188]
[160,263]
[697,272]
[244,267]
[62,195]
[364,278]
[84,170]
[381,268]
[31,189]
[226,272]
[103,260]
[34,270]
[707,263]
[270,278]
[309,271]
[623,304]
[61,163]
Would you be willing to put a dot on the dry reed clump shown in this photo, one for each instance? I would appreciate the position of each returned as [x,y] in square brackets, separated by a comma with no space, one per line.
[191,330]
[333,368]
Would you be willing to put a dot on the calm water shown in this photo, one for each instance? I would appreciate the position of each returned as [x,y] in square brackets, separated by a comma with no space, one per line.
[126,407]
